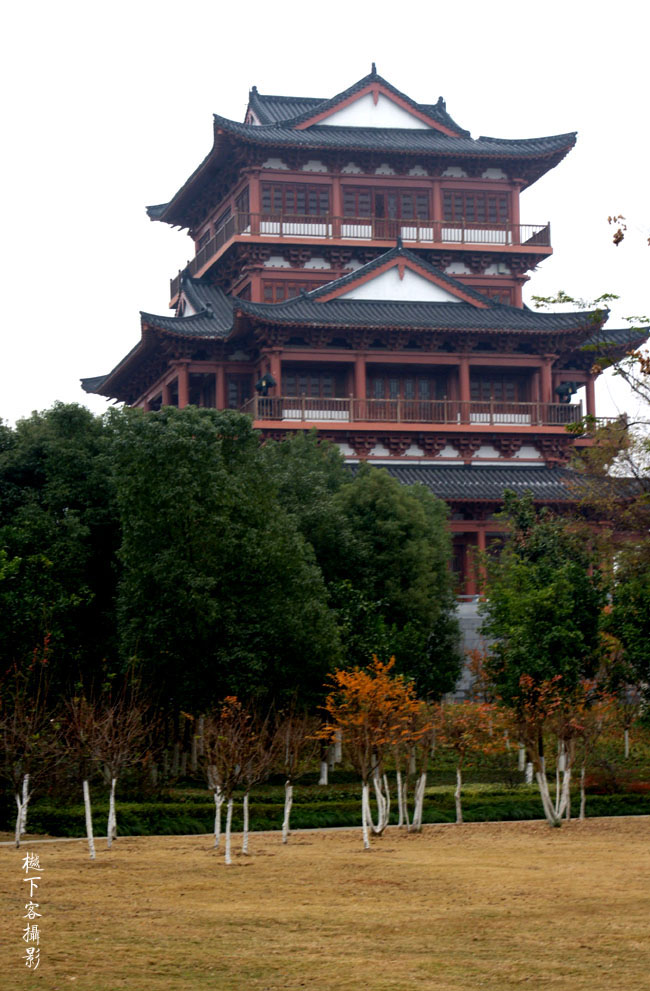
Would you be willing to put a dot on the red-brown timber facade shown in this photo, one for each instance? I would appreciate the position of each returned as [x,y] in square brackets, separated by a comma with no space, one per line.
[366,256]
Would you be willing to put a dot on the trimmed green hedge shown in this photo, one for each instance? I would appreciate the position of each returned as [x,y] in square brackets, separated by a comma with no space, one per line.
[195,814]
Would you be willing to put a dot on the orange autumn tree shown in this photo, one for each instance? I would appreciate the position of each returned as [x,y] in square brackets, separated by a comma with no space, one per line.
[373,709]
[468,728]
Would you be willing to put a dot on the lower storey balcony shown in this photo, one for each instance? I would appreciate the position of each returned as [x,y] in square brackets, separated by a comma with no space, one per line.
[289,410]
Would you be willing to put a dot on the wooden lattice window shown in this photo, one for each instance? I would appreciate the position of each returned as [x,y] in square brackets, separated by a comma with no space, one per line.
[277,290]
[497,388]
[295,199]
[386,204]
[319,385]
[475,207]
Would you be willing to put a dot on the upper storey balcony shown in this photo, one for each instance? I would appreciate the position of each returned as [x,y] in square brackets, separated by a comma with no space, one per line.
[319,228]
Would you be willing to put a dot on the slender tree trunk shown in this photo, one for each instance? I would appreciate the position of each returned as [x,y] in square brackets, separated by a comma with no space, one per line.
[244,842]
[405,803]
[338,747]
[627,743]
[19,818]
[521,757]
[176,759]
[194,760]
[400,804]
[111,832]
[583,797]
[547,803]
[288,802]
[529,773]
[418,803]
[382,796]
[228,858]
[365,805]
[459,785]
[25,803]
[218,802]
[89,820]
[324,768]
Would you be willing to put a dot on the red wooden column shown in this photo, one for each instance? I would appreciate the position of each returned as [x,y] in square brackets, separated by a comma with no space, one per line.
[515,218]
[254,201]
[547,381]
[360,377]
[275,361]
[470,566]
[437,211]
[337,206]
[482,543]
[220,388]
[183,384]
[166,399]
[591,394]
[463,385]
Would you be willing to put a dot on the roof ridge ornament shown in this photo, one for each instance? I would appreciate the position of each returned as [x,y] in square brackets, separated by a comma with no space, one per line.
[373,70]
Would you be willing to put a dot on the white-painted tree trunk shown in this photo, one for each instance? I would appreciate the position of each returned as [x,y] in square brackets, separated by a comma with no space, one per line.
[324,769]
[227,857]
[288,802]
[25,803]
[553,815]
[89,820]
[418,803]
[365,806]
[457,793]
[218,802]
[111,830]
[194,760]
[338,747]
[528,776]
[400,807]
[244,842]
[382,796]
[19,818]
[583,797]
[627,742]
[521,758]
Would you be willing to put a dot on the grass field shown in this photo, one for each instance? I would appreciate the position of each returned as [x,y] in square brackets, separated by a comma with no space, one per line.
[490,905]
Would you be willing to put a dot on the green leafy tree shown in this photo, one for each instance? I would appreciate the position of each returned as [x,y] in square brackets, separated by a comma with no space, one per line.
[58,535]
[219,593]
[544,601]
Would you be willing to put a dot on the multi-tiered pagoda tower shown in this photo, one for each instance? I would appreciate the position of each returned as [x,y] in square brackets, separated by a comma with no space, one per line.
[358,268]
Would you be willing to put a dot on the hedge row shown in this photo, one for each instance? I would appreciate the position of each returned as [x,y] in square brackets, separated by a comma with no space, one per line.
[169,818]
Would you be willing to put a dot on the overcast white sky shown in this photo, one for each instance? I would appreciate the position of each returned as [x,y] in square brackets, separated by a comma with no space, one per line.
[107,107]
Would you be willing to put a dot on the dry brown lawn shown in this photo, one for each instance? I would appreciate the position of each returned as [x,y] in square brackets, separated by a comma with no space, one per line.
[493,906]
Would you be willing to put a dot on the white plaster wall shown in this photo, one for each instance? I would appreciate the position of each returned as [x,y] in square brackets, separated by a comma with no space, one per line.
[353,265]
[274,163]
[448,452]
[351,169]
[494,174]
[528,451]
[418,170]
[498,268]
[384,169]
[317,263]
[487,451]
[455,172]
[313,165]
[458,268]
[365,113]
[346,450]
[414,451]
[277,261]
[379,451]
[412,287]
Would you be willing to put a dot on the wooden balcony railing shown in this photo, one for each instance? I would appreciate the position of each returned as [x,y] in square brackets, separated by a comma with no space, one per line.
[325,227]
[447,412]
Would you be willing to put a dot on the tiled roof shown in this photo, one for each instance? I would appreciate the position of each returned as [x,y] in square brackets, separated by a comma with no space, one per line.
[283,109]
[618,339]
[393,139]
[399,251]
[467,483]
[369,313]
